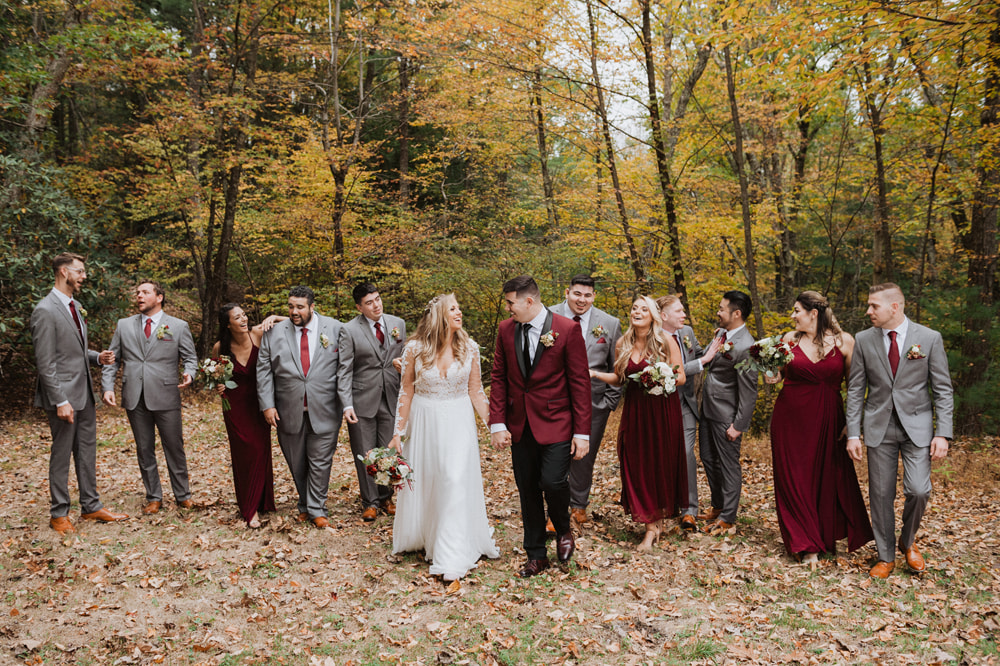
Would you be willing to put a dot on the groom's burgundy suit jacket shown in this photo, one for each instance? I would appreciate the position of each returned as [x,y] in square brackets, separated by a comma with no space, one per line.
[555,397]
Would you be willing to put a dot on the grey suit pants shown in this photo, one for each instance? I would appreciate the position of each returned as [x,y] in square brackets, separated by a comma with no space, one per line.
[145,422]
[721,459]
[309,457]
[367,434]
[581,472]
[77,440]
[690,436]
[883,467]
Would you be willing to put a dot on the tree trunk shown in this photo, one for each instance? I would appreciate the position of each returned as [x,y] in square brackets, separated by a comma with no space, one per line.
[883,268]
[538,116]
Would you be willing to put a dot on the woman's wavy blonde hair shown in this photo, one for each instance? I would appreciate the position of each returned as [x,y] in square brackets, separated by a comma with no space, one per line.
[432,332]
[657,348]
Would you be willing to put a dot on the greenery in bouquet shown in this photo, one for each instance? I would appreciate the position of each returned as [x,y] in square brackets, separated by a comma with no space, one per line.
[768,356]
[388,468]
[214,372]
[656,378]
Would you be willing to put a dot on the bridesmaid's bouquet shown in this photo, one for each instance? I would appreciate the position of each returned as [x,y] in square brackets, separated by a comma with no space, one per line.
[768,355]
[388,468]
[214,372]
[656,378]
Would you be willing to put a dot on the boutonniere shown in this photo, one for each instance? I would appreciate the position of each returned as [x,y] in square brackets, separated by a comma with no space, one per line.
[726,347]
[395,333]
[598,331]
[548,339]
[83,312]
[323,340]
[163,333]
[914,353]
[687,342]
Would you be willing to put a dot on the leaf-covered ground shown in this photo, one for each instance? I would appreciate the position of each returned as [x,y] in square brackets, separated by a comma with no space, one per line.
[198,587]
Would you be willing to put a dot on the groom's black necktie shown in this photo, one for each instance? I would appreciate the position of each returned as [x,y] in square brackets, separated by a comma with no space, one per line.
[526,347]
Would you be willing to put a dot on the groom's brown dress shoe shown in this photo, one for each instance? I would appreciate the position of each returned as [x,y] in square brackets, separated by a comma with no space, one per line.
[104,516]
[913,558]
[533,568]
[882,570]
[320,522]
[565,545]
[151,508]
[688,524]
[389,507]
[710,515]
[718,528]
[302,517]
[62,525]
[579,516]
[369,514]
[186,504]
[549,529]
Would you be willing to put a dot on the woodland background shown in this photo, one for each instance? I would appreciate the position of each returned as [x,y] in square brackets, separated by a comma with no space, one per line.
[232,149]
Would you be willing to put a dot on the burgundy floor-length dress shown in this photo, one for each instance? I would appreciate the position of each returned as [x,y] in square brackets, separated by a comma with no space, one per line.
[816,490]
[249,441]
[651,452]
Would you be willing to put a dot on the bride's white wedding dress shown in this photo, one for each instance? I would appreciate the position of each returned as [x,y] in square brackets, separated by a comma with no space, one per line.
[444,513]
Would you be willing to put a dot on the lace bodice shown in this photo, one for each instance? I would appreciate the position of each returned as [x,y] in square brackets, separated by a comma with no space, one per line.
[461,380]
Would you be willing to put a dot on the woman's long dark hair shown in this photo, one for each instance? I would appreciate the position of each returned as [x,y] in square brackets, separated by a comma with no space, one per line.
[225,335]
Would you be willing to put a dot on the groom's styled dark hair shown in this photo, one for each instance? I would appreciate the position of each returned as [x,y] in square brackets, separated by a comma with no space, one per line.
[302,292]
[739,301]
[363,290]
[522,285]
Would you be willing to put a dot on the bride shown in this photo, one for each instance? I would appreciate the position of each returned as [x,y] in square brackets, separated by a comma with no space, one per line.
[444,513]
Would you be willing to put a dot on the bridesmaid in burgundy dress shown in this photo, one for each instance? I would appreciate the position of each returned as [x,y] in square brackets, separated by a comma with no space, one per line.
[249,434]
[816,490]
[651,447]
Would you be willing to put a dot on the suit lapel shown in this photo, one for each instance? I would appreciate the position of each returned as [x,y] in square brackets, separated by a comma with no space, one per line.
[540,349]
[595,321]
[292,335]
[69,317]
[680,343]
[143,341]
[877,347]
[370,335]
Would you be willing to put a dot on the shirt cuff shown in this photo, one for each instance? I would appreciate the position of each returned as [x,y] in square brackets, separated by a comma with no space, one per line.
[64,402]
[350,407]
[585,438]
[855,438]
[498,427]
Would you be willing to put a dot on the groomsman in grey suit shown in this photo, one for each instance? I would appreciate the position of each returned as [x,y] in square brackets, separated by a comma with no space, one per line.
[899,384]
[297,391]
[727,403]
[65,391]
[368,385]
[600,332]
[151,344]
[694,358]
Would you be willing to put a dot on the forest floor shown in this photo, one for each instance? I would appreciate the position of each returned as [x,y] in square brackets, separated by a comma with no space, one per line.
[198,587]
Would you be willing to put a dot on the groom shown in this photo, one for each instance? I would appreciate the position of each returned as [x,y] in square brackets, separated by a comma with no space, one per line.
[540,407]
[894,364]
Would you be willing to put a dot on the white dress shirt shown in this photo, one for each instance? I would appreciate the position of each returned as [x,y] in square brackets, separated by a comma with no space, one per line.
[900,336]
[311,328]
[155,319]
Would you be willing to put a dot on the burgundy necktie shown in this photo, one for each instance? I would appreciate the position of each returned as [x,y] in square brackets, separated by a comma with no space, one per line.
[379,334]
[304,350]
[76,319]
[723,337]
[149,327]
[577,318]
[893,353]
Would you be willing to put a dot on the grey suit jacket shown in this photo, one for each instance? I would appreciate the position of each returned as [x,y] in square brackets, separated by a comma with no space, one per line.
[920,392]
[61,355]
[600,353]
[366,373]
[281,384]
[729,395]
[150,364]
[691,351]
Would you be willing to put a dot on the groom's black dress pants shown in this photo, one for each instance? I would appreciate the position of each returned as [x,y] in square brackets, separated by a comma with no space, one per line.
[542,476]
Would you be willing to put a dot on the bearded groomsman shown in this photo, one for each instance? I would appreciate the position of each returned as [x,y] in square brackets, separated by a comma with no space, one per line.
[297,391]
[600,335]
[693,358]
[151,344]
[368,386]
[65,391]
[905,398]
[728,399]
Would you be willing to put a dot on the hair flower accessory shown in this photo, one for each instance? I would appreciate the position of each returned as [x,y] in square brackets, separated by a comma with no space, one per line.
[914,353]
[323,340]
[163,333]
[548,339]
[598,331]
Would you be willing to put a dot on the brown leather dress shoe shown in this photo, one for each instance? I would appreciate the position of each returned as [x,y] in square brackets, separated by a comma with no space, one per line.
[913,558]
[718,528]
[302,517]
[549,529]
[533,568]
[104,516]
[186,504]
[565,545]
[579,516]
[369,514]
[389,507]
[688,523]
[710,515]
[320,522]
[152,507]
[882,570]
[62,525]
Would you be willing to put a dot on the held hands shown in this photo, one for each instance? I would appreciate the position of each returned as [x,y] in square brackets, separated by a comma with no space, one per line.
[106,357]
[350,415]
[579,448]
[271,416]
[398,364]
[939,448]
[501,440]
[854,448]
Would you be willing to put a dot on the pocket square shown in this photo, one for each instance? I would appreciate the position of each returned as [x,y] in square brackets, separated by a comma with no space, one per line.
[602,341]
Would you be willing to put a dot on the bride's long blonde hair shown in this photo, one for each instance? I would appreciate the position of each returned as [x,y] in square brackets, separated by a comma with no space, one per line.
[657,347]
[432,332]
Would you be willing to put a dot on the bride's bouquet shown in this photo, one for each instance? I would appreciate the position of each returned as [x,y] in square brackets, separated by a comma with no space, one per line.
[768,356]
[213,372]
[656,378]
[388,468]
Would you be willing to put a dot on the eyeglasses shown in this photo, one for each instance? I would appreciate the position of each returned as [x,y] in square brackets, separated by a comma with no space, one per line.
[81,271]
